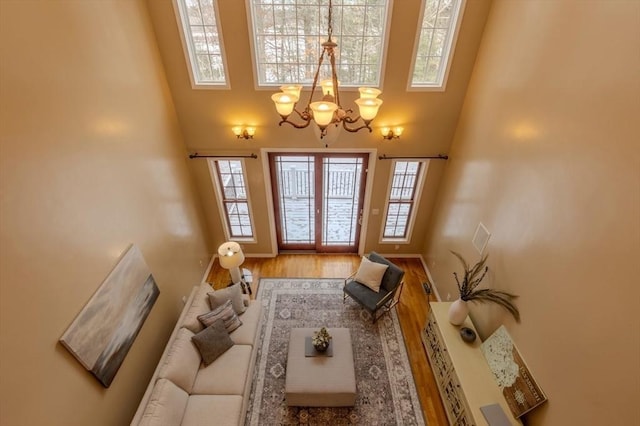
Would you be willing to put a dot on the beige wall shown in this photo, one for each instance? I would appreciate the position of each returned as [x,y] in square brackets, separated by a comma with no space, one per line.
[547,156]
[206,116]
[91,161]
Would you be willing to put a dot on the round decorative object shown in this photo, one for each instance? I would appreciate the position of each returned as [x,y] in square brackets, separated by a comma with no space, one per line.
[458,312]
[467,334]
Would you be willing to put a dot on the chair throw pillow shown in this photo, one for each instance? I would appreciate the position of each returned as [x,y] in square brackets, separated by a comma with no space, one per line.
[370,274]
[233,293]
[225,313]
[212,342]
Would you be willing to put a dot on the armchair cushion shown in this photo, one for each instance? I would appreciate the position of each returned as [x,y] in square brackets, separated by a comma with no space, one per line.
[370,274]
[392,276]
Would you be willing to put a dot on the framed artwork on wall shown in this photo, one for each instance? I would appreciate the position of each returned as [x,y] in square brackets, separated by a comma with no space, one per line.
[519,388]
[102,333]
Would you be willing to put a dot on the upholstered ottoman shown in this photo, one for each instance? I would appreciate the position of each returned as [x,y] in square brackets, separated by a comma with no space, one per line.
[320,381]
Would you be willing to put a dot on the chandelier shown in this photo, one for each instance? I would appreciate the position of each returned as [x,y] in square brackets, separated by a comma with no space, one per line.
[327,110]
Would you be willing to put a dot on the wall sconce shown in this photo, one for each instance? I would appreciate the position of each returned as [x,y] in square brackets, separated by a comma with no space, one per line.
[389,133]
[243,132]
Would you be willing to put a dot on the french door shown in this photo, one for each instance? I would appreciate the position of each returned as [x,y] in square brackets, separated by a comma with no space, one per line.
[318,200]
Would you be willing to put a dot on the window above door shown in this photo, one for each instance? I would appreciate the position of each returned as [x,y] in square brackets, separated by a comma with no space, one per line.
[287,37]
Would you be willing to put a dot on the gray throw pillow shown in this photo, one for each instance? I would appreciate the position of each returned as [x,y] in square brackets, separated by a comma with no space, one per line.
[233,293]
[212,342]
[224,313]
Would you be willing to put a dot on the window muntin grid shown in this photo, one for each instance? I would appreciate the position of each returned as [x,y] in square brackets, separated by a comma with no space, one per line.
[202,37]
[288,37]
[232,191]
[406,179]
[434,45]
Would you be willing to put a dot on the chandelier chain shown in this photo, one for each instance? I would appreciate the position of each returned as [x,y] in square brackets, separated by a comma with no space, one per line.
[330,23]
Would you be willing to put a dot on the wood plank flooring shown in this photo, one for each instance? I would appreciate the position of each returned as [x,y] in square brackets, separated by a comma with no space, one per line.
[412,309]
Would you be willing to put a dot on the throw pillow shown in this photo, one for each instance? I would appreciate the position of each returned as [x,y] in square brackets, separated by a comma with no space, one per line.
[233,293]
[212,342]
[370,274]
[225,313]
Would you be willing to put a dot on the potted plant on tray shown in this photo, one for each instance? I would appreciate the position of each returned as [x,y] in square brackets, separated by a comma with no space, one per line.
[468,292]
[321,340]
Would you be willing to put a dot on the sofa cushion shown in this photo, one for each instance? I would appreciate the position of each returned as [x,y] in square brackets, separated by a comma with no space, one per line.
[166,406]
[227,375]
[199,306]
[182,361]
[246,335]
[233,293]
[370,274]
[225,313]
[207,410]
[212,342]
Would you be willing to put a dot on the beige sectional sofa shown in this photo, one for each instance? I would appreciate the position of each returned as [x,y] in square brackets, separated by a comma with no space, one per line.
[183,391]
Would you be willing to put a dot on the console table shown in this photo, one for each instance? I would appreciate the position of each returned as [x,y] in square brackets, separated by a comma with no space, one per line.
[464,378]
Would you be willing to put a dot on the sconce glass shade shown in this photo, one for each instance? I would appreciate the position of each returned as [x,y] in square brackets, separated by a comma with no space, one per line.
[237,130]
[230,255]
[389,133]
[251,131]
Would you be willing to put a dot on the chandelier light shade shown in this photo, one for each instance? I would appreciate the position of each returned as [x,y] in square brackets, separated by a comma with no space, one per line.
[327,110]
[231,257]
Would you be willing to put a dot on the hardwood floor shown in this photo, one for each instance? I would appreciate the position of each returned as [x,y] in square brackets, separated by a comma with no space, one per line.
[412,309]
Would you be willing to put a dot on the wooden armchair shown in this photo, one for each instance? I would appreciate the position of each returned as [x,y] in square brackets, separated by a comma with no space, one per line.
[388,295]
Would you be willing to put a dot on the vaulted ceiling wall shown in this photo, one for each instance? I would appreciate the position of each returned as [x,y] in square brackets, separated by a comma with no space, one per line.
[206,116]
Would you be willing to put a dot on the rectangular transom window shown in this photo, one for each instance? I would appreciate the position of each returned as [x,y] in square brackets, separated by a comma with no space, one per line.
[435,42]
[405,187]
[233,199]
[288,37]
[201,36]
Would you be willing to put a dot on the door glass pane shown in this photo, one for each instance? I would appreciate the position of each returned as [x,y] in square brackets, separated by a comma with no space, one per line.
[295,178]
[341,192]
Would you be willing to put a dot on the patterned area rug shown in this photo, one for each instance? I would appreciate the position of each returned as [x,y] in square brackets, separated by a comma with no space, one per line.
[386,391]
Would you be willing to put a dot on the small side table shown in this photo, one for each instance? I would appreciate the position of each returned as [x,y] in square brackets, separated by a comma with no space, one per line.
[247,279]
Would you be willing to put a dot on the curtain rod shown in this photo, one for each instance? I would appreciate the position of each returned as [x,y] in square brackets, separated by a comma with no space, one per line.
[196,155]
[438,157]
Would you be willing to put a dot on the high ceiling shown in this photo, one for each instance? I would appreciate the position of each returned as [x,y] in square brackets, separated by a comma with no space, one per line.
[207,115]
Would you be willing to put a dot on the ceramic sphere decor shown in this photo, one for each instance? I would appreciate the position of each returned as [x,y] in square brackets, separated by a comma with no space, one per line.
[467,287]
[467,334]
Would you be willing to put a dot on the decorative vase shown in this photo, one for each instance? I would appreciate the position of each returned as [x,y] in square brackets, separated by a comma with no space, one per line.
[458,312]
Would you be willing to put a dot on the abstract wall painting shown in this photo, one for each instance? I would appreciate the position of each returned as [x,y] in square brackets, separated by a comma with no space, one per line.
[102,334]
